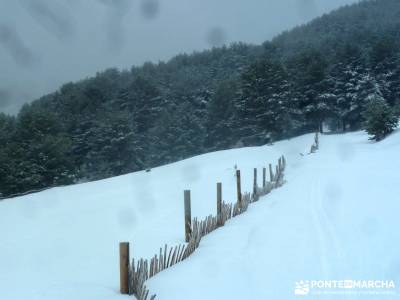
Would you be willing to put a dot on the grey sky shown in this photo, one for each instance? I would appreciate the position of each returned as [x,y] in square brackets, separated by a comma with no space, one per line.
[45,43]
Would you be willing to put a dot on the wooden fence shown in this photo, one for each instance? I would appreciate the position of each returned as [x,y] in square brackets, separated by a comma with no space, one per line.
[315,145]
[134,275]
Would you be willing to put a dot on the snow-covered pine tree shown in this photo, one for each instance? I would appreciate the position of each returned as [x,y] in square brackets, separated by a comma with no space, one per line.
[379,118]
[264,107]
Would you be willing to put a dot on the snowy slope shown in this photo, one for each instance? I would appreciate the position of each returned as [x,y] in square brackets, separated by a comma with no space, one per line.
[63,243]
[336,218]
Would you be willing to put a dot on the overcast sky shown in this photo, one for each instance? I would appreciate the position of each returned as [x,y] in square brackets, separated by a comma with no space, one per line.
[45,43]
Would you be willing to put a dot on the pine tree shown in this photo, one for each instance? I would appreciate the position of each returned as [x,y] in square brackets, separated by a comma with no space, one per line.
[220,112]
[308,70]
[379,118]
[264,107]
[345,78]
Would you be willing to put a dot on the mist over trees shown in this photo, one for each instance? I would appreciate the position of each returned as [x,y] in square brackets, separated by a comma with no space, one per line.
[325,72]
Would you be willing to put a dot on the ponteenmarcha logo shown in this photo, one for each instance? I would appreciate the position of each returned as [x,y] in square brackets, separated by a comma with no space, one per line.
[302,288]
[342,287]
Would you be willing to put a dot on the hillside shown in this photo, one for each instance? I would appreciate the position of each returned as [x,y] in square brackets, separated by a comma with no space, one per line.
[65,240]
[333,219]
[318,75]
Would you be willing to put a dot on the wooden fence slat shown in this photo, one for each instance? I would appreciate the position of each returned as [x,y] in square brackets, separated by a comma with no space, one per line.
[271,173]
[124,267]
[255,182]
[165,256]
[239,188]
[188,216]
[169,257]
[264,177]
[219,204]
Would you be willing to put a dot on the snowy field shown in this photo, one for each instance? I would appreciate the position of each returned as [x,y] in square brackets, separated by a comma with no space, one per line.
[337,217]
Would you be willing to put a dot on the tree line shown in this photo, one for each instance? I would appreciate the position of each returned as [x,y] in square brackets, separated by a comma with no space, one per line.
[337,71]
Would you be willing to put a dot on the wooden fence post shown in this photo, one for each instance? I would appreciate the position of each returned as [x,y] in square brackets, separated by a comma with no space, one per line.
[271,174]
[188,216]
[124,267]
[239,189]
[219,203]
[255,183]
[264,176]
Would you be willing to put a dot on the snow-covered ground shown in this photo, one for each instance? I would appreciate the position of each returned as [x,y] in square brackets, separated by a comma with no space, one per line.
[335,218]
